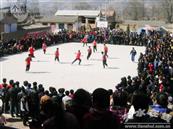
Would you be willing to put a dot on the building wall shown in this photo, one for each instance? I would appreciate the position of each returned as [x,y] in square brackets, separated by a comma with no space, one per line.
[10,28]
[1,28]
[68,26]
[14,27]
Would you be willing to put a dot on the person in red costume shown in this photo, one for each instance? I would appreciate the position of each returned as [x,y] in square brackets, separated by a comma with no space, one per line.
[89,52]
[78,57]
[57,54]
[44,47]
[31,51]
[28,62]
[104,59]
[105,50]
[94,46]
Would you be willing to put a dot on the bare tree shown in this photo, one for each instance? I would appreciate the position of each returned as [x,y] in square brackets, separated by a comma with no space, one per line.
[168,7]
[82,6]
[135,9]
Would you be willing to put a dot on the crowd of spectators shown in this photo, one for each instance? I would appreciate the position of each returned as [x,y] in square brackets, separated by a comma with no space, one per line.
[146,98]
[116,36]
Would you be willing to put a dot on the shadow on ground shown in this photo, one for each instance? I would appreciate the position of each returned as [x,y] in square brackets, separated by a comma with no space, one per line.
[13,119]
[40,61]
[113,58]
[3,59]
[113,68]
[65,62]
[38,72]
[92,59]
[49,54]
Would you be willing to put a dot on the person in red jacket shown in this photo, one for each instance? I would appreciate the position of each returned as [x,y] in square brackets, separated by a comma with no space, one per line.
[89,52]
[28,62]
[57,54]
[104,59]
[44,46]
[151,68]
[94,45]
[78,55]
[4,84]
[31,51]
[105,50]
[85,40]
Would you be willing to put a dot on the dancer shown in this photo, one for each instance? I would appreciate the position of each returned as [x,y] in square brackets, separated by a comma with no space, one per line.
[85,40]
[31,51]
[94,46]
[57,54]
[78,55]
[89,52]
[44,46]
[28,62]
[133,54]
[105,50]
[104,59]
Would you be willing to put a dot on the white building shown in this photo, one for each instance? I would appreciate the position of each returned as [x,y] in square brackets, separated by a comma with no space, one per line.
[85,18]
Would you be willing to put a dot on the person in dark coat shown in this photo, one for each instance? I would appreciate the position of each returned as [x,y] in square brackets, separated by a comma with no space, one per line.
[100,117]
[57,117]
[14,108]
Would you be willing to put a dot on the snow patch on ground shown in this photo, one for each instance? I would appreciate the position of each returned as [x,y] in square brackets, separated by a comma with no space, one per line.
[89,75]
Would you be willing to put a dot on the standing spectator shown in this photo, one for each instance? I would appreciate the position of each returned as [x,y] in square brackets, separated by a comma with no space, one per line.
[119,107]
[4,83]
[81,104]
[14,108]
[71,93]
[100,117]
[24,106]
[57,117]
[67,100]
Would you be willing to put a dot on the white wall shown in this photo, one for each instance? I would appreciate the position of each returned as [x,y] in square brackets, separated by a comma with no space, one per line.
[7,28]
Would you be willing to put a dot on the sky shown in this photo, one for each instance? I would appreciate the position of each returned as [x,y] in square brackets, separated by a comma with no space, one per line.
[52,5]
